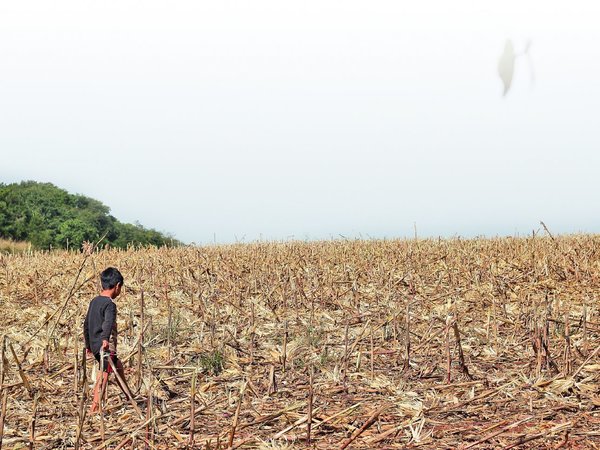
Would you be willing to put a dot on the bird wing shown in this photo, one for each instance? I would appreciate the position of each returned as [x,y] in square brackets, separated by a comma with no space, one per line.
[506,65]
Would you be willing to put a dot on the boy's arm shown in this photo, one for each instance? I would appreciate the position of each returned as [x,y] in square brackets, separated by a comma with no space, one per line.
[110,317]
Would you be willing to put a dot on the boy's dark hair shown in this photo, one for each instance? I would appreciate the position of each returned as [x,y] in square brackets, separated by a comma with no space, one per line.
[110,277]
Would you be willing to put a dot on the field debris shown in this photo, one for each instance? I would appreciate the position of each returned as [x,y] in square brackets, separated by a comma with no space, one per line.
[449,344]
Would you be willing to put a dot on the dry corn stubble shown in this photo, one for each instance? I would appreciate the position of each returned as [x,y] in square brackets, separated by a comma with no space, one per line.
[513,323]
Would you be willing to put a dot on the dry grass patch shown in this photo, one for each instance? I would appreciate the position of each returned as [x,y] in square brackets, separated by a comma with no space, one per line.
[10,246]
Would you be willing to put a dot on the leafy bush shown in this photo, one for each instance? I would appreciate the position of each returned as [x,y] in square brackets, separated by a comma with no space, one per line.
[50,217]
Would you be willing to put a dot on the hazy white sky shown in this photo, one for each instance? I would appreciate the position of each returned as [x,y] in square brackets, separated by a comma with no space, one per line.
[272,119]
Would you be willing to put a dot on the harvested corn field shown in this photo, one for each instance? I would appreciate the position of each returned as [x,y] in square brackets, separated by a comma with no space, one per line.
[485,343]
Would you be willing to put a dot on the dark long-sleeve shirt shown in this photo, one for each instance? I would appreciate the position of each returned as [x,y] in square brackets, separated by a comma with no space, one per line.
[100,324]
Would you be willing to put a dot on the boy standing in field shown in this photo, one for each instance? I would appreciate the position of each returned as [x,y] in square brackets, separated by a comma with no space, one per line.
[100,332]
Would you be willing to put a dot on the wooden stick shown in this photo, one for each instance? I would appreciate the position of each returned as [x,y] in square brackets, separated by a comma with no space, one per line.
[370,421]
[126,390]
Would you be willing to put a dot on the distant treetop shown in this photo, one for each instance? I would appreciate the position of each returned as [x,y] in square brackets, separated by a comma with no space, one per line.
[50,217]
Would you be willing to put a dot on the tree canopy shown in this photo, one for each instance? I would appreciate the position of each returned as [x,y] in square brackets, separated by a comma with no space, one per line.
[50,217]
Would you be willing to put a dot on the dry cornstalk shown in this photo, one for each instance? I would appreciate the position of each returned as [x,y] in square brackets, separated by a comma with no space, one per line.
[61,310]
[407,336]
[32,422]
[140,345]
[3,361]
[372,356]
[129,435]
[169,319]
[263,283]
[310,405]
[124,442]
[284,346]
[193,408]
[346,355]
[81,411]
[76,367]
[498,432]
[236,417]
[21,372]
[487,394]
[57,311]
[585,331]
[385,435]
[567,357]
[588,359]
[3,414]
[272,381]
[461,356]
[336,415]
[297,423]
[370,421]
[358,338]
[103,390]
[528,438]
[149,431]
[448,355]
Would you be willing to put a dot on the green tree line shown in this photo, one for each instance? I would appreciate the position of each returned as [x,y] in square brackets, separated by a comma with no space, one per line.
[50,217]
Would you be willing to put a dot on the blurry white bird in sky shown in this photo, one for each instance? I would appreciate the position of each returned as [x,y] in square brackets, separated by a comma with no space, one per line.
[506,65]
